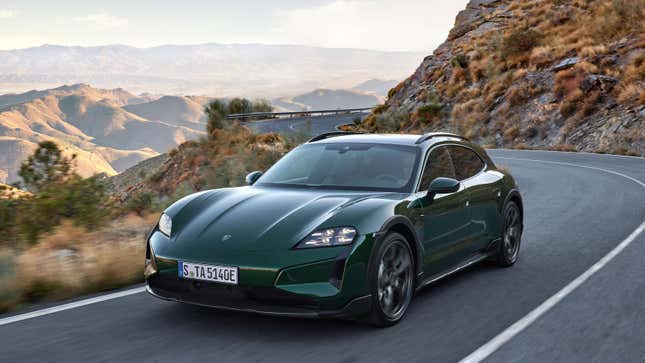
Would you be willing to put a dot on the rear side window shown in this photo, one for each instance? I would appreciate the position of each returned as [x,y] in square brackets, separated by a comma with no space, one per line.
[437,165]
[466,162]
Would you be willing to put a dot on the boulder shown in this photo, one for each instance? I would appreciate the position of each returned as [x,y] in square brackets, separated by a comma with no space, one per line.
[599,82]
[565,64]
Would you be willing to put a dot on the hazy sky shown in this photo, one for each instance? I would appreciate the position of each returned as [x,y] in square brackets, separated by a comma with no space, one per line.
[416,25]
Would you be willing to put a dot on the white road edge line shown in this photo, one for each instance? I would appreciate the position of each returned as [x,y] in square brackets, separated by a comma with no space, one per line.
[509,333]
[571,152]
[577,165]
[72,305]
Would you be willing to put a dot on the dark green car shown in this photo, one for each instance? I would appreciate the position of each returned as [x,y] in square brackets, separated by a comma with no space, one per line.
[346,225]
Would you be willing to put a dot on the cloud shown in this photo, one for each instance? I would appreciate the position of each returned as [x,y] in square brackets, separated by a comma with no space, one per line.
[376,24]
[103,20]
[7,13]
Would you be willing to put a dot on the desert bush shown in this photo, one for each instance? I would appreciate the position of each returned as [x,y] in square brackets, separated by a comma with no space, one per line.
[71,261]
[83,201]
[616,18]
[519,42]
[217,110]
[511,133]
[460,60]
[59,194]
[139,203]
[571,103]
[390,121]
[380,108]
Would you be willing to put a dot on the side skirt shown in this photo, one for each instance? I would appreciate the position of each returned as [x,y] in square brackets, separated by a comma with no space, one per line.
[425,281]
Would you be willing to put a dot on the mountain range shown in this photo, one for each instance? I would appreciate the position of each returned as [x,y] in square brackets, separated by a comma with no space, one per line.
[108,130]
[249,70]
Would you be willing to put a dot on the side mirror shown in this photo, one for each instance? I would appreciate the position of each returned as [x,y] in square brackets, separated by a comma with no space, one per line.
[443,185]
[253,176]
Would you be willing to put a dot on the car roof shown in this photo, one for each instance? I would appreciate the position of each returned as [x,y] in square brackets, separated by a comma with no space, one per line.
[397,139]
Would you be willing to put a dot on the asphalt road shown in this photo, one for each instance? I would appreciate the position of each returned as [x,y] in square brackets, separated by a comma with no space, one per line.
[575,215]
[305,125]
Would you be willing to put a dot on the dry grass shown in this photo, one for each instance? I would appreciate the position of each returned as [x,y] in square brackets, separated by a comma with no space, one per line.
[493,86]
[71,261]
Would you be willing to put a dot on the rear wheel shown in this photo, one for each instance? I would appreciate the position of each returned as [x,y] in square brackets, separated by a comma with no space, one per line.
[391,280]
[509,247]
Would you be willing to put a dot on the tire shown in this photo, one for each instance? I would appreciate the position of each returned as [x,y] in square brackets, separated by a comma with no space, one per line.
[391,280]
[508,249]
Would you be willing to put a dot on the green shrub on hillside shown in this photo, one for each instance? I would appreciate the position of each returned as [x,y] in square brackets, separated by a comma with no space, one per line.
[217,110]
[58,194]
[46,167]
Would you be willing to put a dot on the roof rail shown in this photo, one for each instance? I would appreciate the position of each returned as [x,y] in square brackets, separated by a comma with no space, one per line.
[430,135]
[327,135]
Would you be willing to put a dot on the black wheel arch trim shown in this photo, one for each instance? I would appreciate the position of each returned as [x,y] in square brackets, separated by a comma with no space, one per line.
[417,247]
[515,193]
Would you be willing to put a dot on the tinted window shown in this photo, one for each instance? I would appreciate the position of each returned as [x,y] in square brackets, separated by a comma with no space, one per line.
[467,163]
[438,165]
[346,166]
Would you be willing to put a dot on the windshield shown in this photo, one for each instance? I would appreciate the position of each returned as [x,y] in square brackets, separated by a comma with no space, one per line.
[346,166]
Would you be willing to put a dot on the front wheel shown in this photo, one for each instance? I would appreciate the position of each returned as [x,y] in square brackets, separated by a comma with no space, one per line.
[391,280]
[509,247]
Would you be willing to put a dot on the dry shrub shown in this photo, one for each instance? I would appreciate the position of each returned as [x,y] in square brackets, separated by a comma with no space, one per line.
[71,261]
[478,69]
[541,56]
[519,73]
[632,88]
[616,18]
[592,50]
[469,118]
[511,133]
[521,146]
[497,87]
[517,94]
[632,93]
[571,102]
[564,147]
[586,67]
[519,43]
[567,82]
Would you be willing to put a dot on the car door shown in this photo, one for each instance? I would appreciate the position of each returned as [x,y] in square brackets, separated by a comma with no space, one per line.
[445,217]
[482,194]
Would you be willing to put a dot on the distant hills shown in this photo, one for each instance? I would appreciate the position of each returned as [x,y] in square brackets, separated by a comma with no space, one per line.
[249,70]
[377,87]
[365,94]
[323,99]
[109,130]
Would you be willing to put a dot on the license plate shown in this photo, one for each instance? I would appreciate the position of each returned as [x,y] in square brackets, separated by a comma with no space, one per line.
[198,271]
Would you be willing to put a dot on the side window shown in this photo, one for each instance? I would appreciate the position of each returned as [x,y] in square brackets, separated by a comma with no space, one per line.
[438,164]
[467,163]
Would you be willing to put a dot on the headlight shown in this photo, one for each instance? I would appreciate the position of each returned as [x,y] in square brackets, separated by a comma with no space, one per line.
[329,237]
[165,224]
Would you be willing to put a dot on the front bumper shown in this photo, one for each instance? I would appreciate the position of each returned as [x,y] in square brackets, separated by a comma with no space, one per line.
[250,299]
[335,286]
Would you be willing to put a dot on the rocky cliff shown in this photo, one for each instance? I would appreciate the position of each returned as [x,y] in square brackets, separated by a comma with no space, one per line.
[563,74]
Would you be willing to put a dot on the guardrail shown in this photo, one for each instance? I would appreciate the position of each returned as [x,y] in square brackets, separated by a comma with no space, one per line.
[241,116]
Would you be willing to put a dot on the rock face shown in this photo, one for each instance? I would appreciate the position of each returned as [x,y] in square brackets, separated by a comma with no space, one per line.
[538,74]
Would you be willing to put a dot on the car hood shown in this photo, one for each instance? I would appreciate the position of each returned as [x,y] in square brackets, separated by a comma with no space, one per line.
[257,219]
